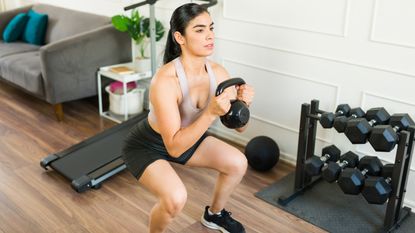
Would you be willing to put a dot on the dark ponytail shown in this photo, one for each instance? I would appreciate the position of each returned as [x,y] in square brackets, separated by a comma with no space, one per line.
[172,50]
[178,23]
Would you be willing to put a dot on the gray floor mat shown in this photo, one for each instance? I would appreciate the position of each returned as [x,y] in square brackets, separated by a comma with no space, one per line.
[327,207]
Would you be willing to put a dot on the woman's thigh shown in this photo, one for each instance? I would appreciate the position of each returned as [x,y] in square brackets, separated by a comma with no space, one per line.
[219,155]
[162,180]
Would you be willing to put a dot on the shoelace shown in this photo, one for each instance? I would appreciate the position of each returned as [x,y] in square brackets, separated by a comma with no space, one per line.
[227,214]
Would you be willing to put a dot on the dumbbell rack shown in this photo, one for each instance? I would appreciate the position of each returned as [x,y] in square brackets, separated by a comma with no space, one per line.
[395,212]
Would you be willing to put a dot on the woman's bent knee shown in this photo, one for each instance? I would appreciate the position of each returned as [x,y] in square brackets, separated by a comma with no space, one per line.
[174,201]
[237,165]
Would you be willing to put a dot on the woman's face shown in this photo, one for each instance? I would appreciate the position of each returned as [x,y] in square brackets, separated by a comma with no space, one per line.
[199,36]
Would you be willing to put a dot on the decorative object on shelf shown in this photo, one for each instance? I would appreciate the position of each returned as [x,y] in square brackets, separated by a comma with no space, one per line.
[138,28]
[122,70]
[117,87]
[117,98]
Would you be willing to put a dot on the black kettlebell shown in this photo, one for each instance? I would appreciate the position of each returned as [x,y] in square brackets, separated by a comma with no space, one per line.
[238,114]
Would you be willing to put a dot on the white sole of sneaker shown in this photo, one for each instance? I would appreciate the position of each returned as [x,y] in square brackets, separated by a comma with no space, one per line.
[212,225]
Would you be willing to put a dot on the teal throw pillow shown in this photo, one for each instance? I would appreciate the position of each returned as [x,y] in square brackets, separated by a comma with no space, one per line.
[15,28]
[36,26]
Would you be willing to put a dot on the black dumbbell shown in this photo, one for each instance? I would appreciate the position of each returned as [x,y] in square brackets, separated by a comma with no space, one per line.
[377,190]
[340,122]
[314,164]
[358,130]
[332,171]
[385,137]
[351,180]
[327,118]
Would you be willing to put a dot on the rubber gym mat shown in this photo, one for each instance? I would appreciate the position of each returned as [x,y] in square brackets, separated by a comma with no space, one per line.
[327,207]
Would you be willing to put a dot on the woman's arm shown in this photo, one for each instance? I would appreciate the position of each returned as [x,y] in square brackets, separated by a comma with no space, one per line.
[164,98]
[244,92]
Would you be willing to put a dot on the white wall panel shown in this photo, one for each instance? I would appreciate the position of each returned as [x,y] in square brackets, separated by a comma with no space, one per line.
[410,190]
[271,86]
[393,22]
[294,14]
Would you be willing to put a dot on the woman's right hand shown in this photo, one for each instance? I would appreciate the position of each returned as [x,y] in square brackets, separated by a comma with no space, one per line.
[220,105]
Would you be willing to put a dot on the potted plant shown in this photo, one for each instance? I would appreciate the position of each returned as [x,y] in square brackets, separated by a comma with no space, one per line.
[138,28]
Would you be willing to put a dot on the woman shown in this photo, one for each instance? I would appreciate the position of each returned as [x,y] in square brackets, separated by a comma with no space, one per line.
[183,106]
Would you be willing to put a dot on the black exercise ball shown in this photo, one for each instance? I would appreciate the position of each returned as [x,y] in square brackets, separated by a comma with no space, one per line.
[262,153]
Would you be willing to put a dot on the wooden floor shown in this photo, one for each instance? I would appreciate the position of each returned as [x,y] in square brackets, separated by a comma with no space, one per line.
[35,200]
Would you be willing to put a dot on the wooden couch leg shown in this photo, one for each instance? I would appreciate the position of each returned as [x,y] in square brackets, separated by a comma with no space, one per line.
[58,111]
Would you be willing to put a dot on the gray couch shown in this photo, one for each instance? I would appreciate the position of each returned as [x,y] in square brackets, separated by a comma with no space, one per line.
[63,69]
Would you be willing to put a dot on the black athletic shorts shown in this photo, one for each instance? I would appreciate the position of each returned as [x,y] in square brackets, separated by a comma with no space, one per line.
[143,146]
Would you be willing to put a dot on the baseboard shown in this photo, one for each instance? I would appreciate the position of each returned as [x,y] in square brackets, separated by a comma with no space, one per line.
[410,204]
[221,133]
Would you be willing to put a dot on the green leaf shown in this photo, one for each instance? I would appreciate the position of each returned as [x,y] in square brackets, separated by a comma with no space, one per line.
[137,27]
[159,29]
[120,22]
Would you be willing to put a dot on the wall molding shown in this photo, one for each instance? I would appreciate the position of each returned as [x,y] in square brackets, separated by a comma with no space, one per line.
[373,26]
[275,124]
[215,130]
[303,78]
[405,75]
[368,93]
[343,34]
[409,203]
[285,127]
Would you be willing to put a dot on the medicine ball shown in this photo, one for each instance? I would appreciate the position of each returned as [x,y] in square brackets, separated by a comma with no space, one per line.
[262,153]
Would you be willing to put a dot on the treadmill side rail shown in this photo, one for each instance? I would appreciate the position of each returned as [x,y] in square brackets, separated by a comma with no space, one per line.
[82,184]
[47,160]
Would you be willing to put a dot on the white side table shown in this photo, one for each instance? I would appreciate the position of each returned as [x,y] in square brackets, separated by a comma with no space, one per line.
[124,78]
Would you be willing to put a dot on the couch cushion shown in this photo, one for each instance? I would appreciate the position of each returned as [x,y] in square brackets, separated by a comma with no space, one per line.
[24,70]
[65,22]
[15,28]
[16,47]
[36,26]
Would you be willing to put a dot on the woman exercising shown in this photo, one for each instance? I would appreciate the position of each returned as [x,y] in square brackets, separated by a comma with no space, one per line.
[182,107]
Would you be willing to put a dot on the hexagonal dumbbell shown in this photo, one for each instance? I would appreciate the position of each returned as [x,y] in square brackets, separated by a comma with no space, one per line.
[385,137]
[358,130]
[351,180]
[314,164]
[377,190]
[327,118]
[332,171]
[340,122]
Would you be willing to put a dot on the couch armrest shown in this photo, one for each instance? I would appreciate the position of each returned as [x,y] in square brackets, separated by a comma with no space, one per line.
[6,16]
[69,66]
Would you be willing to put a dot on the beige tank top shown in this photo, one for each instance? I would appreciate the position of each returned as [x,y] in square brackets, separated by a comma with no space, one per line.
[188,111]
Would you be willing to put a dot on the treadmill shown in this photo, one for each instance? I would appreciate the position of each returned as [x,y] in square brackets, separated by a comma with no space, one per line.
[90,162]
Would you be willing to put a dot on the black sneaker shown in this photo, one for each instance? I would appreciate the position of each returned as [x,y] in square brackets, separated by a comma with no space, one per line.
[223,222]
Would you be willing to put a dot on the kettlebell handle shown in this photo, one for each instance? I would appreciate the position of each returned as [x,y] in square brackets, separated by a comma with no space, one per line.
[228,83]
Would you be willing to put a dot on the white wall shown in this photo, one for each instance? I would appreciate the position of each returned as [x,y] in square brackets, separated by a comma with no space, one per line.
[292,51]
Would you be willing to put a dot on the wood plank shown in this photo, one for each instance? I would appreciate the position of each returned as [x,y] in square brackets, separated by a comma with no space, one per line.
[72,228]
[15,220]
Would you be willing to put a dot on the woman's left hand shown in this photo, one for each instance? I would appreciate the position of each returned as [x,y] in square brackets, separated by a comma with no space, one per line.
[245,93]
